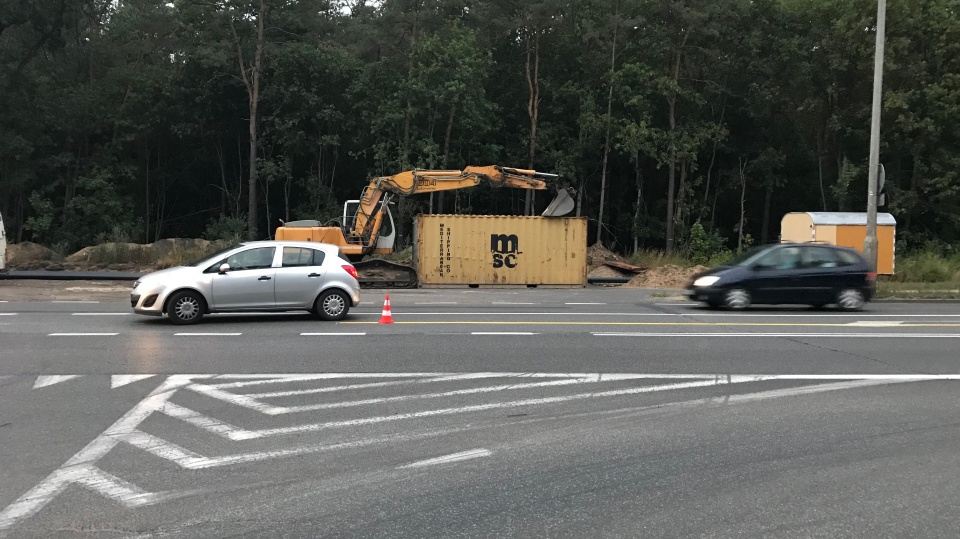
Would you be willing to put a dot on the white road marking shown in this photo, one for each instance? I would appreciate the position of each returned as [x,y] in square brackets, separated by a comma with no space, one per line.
[80,468]
[282,378]
[435,303]
[247,401]
[795,335]
[8,314]
[44,381]
[193,461]
[235,433]
[366,386]
[687,304]
[74,301]
[503,333]
[83,334]
[118,380]
[101,314]
[207,334]
[876,323]
[583,303]
[332,334]
[456,457]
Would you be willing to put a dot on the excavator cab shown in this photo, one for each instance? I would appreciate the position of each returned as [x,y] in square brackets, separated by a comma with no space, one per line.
[388,232]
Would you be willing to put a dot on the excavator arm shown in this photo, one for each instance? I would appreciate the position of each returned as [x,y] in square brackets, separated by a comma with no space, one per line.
[412,182]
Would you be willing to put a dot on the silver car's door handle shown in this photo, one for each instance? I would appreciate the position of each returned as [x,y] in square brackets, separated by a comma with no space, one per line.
[264,278]
[313,275]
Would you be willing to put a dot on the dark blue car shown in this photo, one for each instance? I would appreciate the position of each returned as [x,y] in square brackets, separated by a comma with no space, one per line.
[790,273]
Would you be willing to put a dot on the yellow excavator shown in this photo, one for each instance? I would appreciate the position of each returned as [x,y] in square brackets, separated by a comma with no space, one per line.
[367,227]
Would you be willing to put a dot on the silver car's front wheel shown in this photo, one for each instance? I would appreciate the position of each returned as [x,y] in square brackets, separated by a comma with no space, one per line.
[186,307]
[850,299]
[737,299]
[332,305]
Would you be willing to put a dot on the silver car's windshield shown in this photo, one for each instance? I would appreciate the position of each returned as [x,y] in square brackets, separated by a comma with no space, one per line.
[210,259]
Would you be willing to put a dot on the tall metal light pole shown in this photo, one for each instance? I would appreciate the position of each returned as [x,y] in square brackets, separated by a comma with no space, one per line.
[870,243]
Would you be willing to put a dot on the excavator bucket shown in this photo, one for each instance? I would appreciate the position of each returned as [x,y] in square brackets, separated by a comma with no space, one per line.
[561,204]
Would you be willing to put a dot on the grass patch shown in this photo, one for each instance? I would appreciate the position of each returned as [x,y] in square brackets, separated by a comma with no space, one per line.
[887,289]
[927,267]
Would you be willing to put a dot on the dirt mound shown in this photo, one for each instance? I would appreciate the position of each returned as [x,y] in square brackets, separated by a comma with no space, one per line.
[597,254]
[605,271]
[28,253]
[668,276]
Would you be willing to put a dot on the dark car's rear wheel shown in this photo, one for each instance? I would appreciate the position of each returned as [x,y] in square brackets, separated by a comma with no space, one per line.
[332,305]
[186,307]
[850,299]
[736,299]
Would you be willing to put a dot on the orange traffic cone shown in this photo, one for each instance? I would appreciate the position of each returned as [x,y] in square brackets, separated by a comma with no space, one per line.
[387,316]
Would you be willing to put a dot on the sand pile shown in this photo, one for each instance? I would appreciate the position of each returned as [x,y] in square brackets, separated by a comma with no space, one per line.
[668,276]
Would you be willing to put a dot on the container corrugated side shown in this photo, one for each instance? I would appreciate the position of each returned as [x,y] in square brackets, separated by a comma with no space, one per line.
[501,250]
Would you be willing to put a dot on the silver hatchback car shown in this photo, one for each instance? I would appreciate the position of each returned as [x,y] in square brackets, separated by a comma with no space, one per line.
[259,276]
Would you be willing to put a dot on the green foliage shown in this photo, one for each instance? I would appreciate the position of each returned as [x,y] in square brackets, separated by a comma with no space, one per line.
[137,121]
[707,248]
[227,229]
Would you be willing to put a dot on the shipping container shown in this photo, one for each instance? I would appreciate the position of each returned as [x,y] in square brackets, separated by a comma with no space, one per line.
[500,250]
[847,229]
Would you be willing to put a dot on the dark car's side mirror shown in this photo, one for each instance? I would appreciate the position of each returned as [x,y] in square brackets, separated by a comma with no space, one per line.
[224,268]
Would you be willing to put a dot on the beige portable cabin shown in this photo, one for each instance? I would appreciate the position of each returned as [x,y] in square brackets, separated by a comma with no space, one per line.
[847,229]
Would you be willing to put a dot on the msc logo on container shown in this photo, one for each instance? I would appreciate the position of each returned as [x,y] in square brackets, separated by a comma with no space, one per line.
[505,249]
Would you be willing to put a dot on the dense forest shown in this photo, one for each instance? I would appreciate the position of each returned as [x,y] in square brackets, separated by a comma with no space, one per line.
[136,120]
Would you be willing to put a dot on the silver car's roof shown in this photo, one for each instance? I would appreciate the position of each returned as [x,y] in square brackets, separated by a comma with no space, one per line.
[291,243]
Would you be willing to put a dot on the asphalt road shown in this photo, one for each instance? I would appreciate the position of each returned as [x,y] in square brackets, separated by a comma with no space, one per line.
[503,413]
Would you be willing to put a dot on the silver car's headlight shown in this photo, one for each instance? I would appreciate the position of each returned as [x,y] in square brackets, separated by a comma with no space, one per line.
[136,284]
[708,280]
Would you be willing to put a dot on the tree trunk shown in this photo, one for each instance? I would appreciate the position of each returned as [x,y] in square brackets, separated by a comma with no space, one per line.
[671,181]
[446,145]
[713,159]
[743,198]
[251,80]
[636,210]
[765,226]
[823,193]
[532,72]
[146,191]
[606,141]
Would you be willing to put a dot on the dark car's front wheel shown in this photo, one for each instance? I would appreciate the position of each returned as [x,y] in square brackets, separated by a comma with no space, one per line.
[736,299]
[186,307]
[850,299]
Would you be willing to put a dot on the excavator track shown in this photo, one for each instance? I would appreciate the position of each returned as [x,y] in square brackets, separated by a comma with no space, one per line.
[377,273]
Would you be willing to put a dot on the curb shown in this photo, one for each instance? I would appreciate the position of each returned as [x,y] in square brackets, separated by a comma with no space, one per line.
[45,275]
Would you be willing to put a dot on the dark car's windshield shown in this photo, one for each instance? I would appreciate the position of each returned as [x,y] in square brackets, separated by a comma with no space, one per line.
[213,256]
[747,256]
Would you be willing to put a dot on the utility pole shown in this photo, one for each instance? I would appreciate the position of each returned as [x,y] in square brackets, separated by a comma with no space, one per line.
[870,243]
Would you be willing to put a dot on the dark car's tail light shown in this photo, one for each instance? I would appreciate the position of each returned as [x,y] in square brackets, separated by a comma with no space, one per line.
[871,276]
[351,270]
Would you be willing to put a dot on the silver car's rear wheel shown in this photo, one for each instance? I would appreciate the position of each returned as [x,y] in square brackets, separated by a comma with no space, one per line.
[332,305]
[737,299]
[850,299]
[186,307]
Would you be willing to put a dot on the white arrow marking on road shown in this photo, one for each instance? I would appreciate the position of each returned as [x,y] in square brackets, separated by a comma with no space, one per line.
[118,380]
[456,457]
[44,381]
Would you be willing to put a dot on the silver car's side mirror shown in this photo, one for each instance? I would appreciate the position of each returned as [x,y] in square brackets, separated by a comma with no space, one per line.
[224,268]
